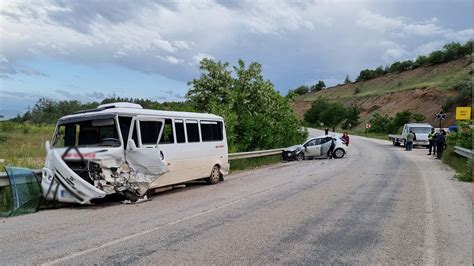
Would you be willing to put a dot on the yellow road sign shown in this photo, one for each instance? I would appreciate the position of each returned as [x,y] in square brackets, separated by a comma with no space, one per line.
[463,113]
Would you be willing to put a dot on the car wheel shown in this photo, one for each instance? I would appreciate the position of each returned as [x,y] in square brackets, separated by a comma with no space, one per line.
[215,175]
[339,153]
[300,156]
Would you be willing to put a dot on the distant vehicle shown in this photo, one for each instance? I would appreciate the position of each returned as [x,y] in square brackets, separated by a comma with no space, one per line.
[315,148]
[421,131]
[123,148]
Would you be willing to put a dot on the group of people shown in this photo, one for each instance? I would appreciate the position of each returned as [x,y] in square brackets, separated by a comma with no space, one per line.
[437,142]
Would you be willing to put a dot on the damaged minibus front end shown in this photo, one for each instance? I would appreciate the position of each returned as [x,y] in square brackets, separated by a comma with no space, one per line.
[91,156]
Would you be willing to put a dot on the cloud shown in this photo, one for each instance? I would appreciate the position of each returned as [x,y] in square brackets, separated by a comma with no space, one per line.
[171,59]
[8,94]
[82,97]
[399,26]
[293,40]
[199,57]
[174,95]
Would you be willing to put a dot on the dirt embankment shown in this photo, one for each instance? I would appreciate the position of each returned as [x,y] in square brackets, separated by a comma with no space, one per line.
[421,90]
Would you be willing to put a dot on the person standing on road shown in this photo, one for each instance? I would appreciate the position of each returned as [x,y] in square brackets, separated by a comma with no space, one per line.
[432,140]
[326,131]
[440,143]
[345,138]
[331,148]
[409,141]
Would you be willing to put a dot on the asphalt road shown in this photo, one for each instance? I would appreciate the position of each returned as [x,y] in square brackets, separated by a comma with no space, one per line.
[379,204]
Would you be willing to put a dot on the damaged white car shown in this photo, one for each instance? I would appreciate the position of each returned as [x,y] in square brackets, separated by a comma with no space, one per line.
[123,148]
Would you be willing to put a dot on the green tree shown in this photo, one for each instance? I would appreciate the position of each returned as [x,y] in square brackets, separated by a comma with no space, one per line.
[421,60]
[320,85]
[302,90]
[436,57]
[380,123]
[213,88]
[257,116]
[452,51]
[347,80]
[352,117]
[331,114]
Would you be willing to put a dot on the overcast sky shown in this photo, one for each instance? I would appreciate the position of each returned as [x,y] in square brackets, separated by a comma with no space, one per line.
[87,50]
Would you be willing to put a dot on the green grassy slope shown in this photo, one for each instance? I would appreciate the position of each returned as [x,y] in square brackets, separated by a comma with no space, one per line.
[423,90]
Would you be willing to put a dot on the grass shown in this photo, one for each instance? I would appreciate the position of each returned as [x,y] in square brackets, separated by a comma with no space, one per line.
[22,145]
[251,163]
[460,164]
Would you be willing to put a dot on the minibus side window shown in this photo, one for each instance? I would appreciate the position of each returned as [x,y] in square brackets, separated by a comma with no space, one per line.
[206,131]
[179,127]
[211,131]
[167,135]
[192,130]
[217,131]
[149,131]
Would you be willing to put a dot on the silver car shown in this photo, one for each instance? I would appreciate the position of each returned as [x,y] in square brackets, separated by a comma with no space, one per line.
[317,147]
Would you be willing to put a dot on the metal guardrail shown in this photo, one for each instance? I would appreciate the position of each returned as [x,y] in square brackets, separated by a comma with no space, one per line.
[232,156]
[463,151]
[253,154]
[4,178]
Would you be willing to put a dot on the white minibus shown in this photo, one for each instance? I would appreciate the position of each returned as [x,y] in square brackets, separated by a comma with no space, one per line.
[123,148]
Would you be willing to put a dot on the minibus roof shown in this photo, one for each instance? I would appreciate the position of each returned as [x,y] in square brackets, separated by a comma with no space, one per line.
[105,112]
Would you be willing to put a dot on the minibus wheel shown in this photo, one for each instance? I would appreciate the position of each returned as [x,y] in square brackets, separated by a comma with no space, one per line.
[215,175]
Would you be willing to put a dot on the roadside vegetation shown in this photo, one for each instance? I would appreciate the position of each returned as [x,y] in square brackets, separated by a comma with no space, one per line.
[325,113]
[383,123]
[461,138]
[23,144]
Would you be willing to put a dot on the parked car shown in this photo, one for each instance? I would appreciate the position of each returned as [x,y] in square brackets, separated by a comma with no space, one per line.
[315,148]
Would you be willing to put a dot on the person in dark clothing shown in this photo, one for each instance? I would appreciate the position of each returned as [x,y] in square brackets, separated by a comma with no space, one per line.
[432,140]
[409,141]
[440,143]
[331,149]
[326,131]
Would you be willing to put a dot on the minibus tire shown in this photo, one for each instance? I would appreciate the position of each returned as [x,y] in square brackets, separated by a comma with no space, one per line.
[130,196]
[215,175]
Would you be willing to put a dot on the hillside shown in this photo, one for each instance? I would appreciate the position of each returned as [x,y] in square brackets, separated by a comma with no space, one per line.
[422,90]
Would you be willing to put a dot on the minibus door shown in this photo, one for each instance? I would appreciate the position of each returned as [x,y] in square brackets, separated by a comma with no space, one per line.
[143,153]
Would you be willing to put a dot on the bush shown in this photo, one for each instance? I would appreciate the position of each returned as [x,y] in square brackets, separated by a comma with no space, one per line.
[357,90]
[380,123]
[461,138]
[386,124]
[257,116]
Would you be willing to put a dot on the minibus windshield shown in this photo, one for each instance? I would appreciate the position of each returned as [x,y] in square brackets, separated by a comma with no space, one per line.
[94,132]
